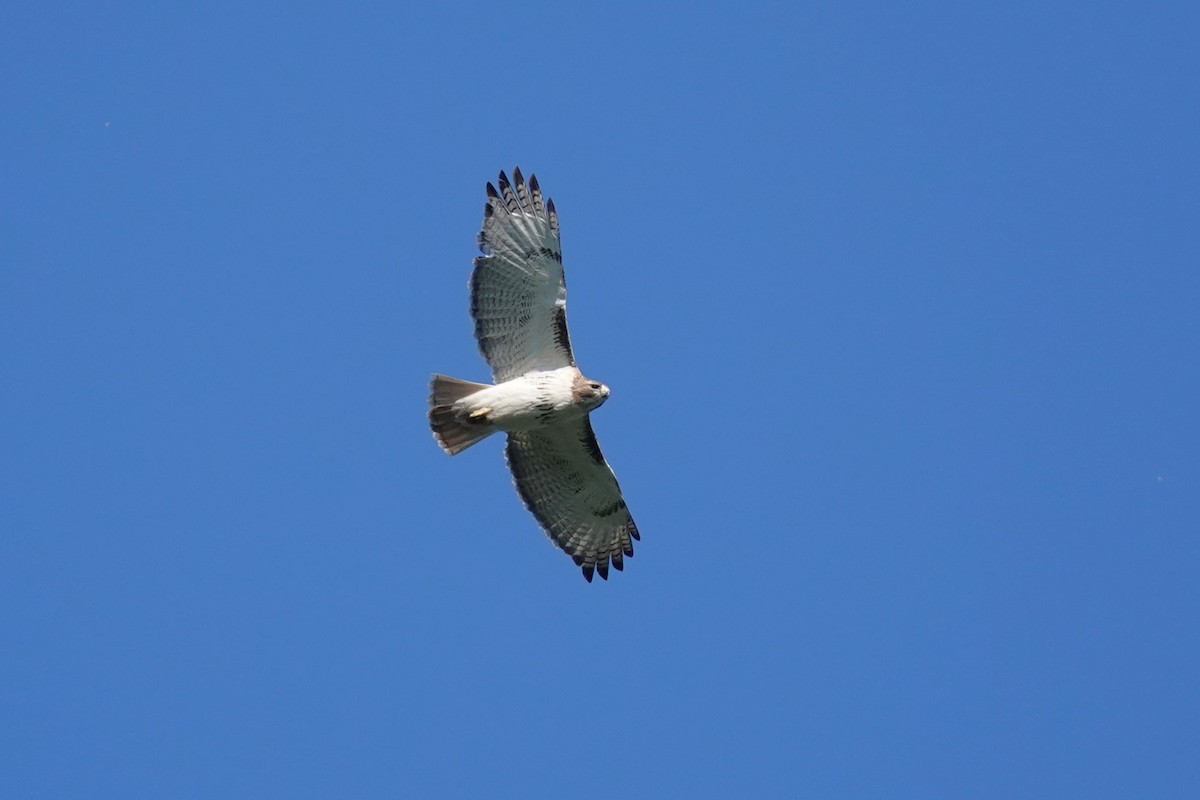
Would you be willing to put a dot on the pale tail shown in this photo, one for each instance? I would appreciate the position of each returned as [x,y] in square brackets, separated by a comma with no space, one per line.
[453,435]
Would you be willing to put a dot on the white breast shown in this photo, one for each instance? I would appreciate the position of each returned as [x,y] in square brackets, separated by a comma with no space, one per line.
[530,401]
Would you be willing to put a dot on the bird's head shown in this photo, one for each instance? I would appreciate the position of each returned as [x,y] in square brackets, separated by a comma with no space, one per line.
[589,393]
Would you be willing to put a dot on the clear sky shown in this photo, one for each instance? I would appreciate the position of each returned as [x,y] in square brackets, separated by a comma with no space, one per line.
[899,304]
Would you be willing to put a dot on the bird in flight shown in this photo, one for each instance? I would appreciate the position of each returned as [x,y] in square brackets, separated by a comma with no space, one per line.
[540,399]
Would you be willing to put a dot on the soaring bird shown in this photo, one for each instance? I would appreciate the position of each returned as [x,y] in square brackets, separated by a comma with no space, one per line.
[540,399]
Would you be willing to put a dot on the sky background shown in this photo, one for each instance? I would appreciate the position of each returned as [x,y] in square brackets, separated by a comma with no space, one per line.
[899,303]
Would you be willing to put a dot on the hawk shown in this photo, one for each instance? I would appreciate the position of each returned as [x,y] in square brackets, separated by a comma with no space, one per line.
[540,399]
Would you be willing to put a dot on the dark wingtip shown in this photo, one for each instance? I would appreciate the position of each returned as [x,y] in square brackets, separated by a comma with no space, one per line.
[533,184]
[517,179]
[618,563]
[503,180]
[491,190]
[550,205]
[588,569]
[602,568]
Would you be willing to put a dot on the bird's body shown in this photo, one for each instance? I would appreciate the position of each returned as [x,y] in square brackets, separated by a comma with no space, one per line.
[540,398]
[530,401]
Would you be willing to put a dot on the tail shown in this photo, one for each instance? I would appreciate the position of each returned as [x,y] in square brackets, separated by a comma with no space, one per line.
[452,434]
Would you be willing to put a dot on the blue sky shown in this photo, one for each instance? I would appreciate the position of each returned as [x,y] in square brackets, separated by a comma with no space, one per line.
[900,308]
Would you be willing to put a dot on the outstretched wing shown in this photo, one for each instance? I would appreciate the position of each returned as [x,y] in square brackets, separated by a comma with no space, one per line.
[518,295]
[564,480]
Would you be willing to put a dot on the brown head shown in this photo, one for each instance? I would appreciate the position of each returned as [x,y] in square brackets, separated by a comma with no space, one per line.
[588,393]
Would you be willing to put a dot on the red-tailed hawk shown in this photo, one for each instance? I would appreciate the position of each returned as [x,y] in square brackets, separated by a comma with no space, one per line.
[540,399]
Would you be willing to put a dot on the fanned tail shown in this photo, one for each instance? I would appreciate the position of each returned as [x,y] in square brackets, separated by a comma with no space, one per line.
[452,434]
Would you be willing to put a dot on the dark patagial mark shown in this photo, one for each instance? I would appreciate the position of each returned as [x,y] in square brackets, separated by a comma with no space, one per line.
[590,444]
[561,337]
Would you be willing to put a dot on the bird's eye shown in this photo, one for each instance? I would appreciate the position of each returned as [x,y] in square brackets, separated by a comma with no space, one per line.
[595,386]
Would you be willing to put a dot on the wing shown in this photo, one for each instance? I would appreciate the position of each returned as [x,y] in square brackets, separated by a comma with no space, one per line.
[518,295]
[564,480]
